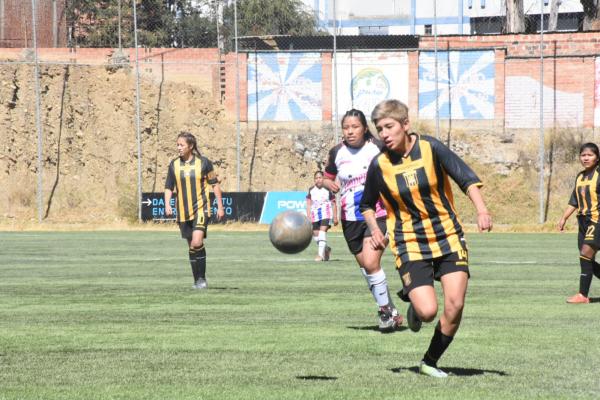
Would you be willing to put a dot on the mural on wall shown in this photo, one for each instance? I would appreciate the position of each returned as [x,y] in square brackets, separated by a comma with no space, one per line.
[366,78]
[284,87]
[597,93]
[522,104]
[465,84]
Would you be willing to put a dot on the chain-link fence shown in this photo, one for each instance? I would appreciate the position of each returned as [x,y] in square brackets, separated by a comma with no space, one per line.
[94,93]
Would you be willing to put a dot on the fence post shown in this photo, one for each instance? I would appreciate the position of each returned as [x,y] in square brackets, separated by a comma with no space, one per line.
[38,118]
[137,111]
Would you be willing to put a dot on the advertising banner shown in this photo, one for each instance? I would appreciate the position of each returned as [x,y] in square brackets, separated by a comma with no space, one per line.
[276,202]
[238,206]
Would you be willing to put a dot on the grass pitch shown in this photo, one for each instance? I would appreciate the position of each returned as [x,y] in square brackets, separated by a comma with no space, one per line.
[112,315]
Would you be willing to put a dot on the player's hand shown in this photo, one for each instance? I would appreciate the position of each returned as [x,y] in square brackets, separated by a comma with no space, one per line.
[335,222]
[378,240]
[484,221]
[168,210]
[561,224]
[220,213]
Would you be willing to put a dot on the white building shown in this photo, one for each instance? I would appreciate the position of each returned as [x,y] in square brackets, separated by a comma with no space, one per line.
[360,17]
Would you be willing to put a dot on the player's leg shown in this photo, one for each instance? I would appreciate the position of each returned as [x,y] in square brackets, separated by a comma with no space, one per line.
[197,245]
[588,247]
[316,226]
[322,239]
[389,318]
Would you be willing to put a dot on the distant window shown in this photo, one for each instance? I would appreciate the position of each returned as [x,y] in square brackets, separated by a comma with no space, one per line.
[546,2]
[428,30]
[470,3]
[482,3]
[486,25]
[373,30]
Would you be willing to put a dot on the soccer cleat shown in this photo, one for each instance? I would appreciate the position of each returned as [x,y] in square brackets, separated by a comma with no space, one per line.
[414,323]
[389,319]
[201,284]
[578,299]
[327,253]
[433,372]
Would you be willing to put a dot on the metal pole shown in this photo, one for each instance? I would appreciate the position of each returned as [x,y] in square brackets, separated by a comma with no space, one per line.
[38,118]
[335,77]
[54,25]
[137,110]
[120,45]
[435,54]
[542,166]
[237,96]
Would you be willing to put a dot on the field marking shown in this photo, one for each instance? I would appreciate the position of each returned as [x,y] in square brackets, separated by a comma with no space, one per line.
[513,262]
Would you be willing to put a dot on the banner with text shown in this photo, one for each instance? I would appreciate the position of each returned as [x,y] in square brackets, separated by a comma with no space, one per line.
[276,202]
[238,206]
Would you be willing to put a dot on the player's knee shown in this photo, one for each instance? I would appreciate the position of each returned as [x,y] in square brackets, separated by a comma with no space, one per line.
[453,307]
[196,244]
[428,312]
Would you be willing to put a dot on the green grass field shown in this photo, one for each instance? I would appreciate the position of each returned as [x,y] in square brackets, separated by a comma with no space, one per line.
[112,315]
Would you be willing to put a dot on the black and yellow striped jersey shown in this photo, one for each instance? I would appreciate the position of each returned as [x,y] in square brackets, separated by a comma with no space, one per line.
[585,194]
[190,179]
[422,222]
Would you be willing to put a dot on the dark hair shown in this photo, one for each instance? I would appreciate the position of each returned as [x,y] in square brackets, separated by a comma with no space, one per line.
[191,141]
[591,146]
[363,120]
[319,172]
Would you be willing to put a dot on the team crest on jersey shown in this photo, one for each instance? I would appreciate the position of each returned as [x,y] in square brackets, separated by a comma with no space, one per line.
[411,178]
[406,279]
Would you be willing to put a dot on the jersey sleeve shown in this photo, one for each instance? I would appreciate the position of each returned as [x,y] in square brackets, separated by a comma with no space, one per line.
[308,195]
[330,168]
[209,172]
[170,182]
[373,186]
[458,170]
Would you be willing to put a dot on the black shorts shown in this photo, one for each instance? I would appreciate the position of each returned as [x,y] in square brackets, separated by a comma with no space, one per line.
[318,224]
[200,223]
[356,231]
[424,272]
[589,233]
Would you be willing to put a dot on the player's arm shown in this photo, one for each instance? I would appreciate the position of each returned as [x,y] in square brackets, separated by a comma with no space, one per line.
[563,220]
[330,172]
[308,206]
[169,186]
[484,218]
[368,204]
[219,198]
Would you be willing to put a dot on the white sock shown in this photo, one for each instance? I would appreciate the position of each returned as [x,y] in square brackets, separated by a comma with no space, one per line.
[322,242]
[378,285]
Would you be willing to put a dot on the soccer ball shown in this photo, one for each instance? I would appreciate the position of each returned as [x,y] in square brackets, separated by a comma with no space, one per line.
[290,232]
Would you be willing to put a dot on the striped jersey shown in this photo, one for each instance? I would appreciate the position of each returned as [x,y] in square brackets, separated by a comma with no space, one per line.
[585,194]
[321,203]
[350,166]
[190,179]
[422,220]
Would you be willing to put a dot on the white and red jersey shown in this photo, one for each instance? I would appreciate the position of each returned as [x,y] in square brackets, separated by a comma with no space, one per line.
[321,203]
[350,166]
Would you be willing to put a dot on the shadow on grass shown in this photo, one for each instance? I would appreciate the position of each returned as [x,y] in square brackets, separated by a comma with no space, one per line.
[211,288]
[317,378]
[376,329]
[454,371]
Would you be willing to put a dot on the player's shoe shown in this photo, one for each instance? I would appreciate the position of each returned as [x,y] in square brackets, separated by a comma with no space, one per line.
[578,299]
[389,319]
[433,372]
[201,284]
[327,253]
[414,323]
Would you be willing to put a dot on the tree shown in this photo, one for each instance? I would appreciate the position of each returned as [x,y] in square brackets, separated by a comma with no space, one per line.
[515,16]
[269,17]
[591,15]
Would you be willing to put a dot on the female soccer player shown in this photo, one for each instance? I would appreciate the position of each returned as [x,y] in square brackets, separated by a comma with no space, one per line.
[584,200]
[321,209]
[189,175]
[348,162]
[411,176]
